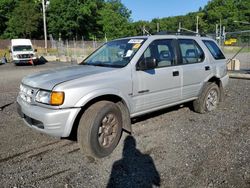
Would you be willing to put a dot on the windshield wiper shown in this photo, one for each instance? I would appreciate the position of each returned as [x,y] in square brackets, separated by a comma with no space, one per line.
[102,65]
[99,64]
[84,63]
[108,65]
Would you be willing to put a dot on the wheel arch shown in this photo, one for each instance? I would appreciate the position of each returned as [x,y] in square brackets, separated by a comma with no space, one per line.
[218,82]
[118,100]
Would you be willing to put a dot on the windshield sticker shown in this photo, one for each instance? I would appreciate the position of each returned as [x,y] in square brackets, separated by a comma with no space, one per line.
[136,46]
[129,53]
[135,41]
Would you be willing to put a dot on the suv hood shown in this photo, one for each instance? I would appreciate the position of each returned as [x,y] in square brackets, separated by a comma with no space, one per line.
[49,79]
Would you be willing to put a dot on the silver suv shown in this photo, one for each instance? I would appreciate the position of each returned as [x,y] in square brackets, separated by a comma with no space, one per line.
[123,79]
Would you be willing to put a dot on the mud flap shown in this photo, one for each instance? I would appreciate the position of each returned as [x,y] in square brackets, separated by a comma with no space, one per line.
[126,121]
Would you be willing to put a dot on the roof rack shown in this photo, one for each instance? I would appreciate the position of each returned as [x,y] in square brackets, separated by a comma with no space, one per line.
[179,33]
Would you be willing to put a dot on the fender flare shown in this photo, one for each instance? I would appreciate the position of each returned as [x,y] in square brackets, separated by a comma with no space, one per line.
[123,104]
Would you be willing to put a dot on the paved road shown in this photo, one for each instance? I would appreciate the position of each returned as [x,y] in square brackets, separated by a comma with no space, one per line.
[171,148]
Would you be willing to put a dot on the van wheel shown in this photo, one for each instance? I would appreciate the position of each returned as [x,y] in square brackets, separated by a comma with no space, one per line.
[208,99]
[100,129]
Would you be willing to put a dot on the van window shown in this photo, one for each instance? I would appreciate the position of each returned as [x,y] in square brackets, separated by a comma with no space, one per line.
[214,49]
[191,52]
[22,48]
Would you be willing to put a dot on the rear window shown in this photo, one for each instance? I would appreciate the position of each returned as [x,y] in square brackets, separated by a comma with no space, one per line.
[214,49]
[191,52]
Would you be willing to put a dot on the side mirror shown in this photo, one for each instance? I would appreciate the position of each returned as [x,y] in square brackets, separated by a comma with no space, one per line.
[35,50]
[147,64]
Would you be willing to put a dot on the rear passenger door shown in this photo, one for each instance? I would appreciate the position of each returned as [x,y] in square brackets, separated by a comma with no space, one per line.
[195,67]
[217,57]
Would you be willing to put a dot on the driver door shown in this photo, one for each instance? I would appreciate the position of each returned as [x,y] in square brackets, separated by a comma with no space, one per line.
[159,87]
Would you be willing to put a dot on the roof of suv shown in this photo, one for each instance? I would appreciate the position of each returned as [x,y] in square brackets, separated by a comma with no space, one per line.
[171,35]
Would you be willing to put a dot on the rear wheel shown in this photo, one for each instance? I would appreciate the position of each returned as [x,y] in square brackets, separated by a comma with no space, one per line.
[100,129]
[208,99]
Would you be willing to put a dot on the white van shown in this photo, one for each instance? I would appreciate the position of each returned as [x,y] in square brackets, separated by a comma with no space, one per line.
[22,51]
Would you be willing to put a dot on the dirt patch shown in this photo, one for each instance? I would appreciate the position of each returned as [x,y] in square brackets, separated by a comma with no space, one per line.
[180,147]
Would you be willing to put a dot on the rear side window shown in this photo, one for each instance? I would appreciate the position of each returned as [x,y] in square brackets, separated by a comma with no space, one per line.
[214,49]
[191,52]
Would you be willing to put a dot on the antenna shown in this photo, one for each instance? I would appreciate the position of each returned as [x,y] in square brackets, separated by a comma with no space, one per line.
[145,31]
[158,26]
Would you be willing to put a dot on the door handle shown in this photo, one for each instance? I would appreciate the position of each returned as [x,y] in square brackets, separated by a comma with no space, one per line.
[143,91]
[207,68]
[175,73]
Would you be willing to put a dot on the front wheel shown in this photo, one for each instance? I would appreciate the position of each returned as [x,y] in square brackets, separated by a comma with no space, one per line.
[208,99]
[100,129]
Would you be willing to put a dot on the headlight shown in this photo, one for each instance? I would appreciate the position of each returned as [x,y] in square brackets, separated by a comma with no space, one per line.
[43,97]
[50,97]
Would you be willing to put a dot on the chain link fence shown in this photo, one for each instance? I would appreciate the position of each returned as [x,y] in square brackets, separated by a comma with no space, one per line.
[71,51]
[237,47]
[58,50]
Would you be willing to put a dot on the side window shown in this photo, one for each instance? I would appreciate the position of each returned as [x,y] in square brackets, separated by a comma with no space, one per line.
[191,52]
[214,49]
[162,51]
[147,53]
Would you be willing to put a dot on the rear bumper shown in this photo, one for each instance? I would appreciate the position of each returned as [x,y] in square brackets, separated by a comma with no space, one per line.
[57,123]
[224,80]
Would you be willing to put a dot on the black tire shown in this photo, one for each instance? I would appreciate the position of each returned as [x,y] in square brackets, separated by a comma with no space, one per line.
[201,105]
[93,127]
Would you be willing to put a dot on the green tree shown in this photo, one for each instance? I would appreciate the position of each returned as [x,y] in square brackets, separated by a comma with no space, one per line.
[95,18]
[62,16]
[6,7]
[114,19]
[24,20]
[88,17]
[74,18]
[227,11]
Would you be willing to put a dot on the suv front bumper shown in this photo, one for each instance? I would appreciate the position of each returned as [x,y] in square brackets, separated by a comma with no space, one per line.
[57,123]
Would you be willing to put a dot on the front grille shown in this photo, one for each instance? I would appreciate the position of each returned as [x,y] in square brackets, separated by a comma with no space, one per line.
[25,55]
[26,93]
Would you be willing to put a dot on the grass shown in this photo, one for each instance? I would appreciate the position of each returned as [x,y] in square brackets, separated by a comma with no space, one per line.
[4,51]
[41,51]
[234,49]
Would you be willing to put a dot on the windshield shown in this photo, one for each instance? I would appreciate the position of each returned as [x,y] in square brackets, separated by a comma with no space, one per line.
[22,48]
[116,53]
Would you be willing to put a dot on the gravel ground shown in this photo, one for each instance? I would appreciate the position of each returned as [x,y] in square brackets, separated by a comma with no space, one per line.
[171,148]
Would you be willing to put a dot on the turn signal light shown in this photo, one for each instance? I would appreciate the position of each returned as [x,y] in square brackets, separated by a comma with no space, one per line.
[57,98]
